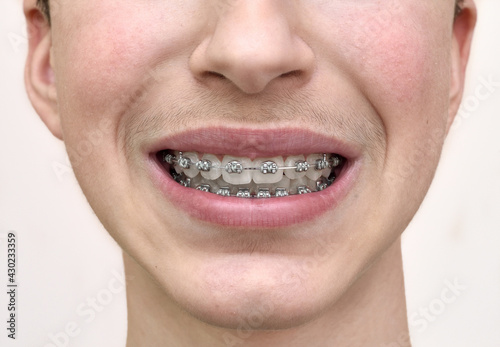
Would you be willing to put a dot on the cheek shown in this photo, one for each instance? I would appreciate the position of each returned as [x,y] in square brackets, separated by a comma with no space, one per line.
[400,62]
[400,59]
[408,88]
[97,58]
[101,59]
[393,56]
[105,56]
[397,66]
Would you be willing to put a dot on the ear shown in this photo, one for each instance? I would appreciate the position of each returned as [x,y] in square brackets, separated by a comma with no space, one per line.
[39,76]
[463,29]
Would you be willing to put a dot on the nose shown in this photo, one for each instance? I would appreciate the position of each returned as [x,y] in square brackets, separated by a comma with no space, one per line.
[254,43]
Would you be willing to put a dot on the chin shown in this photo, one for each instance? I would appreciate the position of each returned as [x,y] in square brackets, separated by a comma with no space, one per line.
[259,291]
[257,308]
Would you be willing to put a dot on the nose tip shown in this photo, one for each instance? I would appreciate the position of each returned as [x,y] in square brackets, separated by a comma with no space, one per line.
[253,46]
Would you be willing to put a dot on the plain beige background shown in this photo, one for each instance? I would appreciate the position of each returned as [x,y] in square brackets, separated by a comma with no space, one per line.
[70,273]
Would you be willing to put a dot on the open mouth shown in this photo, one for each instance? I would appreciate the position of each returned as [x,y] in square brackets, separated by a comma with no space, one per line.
[253,178]
[242,177]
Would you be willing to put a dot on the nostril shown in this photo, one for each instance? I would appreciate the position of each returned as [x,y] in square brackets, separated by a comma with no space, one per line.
[295,73]
[214,74]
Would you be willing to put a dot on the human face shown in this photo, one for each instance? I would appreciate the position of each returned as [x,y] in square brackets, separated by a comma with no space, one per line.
[374,82]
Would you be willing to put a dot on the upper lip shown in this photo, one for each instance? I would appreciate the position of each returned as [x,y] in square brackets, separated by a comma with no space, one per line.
[255,143]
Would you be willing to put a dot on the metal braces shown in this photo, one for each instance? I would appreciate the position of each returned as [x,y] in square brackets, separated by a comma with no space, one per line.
[261,193]
[267,167]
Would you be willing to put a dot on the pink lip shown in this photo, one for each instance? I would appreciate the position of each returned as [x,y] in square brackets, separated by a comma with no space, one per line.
[251,213]
[255,143]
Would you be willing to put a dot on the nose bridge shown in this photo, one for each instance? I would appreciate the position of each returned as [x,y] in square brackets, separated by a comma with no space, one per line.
[253,43]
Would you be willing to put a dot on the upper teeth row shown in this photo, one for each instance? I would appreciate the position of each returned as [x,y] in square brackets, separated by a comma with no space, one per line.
[266,167]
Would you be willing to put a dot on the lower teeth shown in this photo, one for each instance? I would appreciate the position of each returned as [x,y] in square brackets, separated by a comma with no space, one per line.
[254,191]
[326,168]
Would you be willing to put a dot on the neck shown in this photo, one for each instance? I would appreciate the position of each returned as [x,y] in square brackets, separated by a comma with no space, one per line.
[371,313]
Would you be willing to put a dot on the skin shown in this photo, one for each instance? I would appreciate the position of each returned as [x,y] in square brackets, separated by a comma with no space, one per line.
[118,76]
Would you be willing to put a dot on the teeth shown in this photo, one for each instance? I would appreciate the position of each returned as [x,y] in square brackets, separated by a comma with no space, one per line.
[197,181]
[219,183]
[234,167]
[261,178]
[269,167]
[326,172]
[321,184]
[313,173]
[204,188]
[281,192]
[322,163]
[244,193]
[183,161]
[224,191]
[233,171]
[268,171]
[284,183]
[263,193]
[169,158]
[301,182]
[215,171]
[302,166]
[303,190]
[204,165]
[190,158]
[335,161]
[183,180]
[299,161]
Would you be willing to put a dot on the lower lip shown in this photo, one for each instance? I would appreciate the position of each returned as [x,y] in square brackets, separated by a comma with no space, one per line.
[253,213]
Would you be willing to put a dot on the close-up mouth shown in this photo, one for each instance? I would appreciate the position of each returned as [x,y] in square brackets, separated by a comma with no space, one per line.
[272,178]
[230,176]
